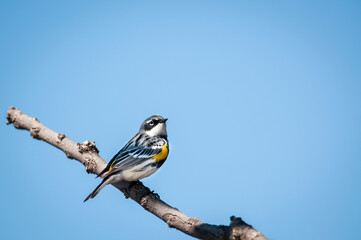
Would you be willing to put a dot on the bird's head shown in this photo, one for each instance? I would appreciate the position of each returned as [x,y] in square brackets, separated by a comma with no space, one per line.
[154,126]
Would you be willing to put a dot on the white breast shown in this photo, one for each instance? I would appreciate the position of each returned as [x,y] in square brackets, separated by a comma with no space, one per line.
[140,171]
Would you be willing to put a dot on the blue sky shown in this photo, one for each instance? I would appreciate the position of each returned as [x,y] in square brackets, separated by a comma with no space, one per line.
[263,100]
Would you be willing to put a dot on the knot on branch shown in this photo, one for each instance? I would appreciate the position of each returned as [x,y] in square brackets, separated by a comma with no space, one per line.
[61,137]
[237,220]
[145,195]
[241,230]
[172,220]
[144,202]
[8,116]
[90,164]
[11,119]
[193,222]
[87,146]
[34,132]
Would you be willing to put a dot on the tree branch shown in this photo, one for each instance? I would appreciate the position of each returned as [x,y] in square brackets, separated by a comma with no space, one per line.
[87,154]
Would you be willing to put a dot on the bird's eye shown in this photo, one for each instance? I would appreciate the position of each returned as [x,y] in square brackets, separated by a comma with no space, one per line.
[151,123]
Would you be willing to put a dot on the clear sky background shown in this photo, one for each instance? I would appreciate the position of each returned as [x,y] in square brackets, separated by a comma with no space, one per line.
[263,100]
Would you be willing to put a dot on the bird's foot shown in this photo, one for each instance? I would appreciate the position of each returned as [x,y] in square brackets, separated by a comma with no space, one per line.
[155,194]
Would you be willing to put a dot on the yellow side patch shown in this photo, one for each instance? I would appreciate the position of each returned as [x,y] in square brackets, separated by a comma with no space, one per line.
[110,168]
[162,155]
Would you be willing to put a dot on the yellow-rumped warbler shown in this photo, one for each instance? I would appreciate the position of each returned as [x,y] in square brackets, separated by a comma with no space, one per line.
[140,157]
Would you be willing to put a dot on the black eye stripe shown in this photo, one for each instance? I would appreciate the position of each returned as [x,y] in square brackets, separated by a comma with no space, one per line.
[153,121]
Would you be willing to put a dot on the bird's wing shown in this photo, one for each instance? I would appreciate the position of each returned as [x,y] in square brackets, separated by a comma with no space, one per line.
[138,154]
[134,155]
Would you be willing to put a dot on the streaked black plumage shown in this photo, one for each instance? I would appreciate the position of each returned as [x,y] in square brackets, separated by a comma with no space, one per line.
[140,157]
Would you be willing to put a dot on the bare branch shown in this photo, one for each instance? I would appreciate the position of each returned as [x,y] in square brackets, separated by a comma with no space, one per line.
[87,154]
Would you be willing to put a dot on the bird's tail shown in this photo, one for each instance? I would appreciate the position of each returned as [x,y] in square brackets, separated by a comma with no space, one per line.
[105,181]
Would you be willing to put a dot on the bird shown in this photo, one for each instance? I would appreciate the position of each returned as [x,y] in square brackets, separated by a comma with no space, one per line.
[142,156]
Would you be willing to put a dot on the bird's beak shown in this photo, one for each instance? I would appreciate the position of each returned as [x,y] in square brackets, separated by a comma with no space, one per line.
[164,120]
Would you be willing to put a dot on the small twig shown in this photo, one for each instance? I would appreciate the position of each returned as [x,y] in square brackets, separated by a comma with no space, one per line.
[87,154]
